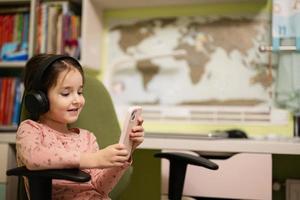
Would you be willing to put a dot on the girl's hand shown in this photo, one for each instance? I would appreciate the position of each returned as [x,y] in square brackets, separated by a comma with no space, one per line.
[112,156]
[137,134]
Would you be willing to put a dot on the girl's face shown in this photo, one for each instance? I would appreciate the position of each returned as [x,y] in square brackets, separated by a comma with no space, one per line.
[65,98]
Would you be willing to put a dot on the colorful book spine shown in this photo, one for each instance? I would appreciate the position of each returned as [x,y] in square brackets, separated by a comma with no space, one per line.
[10,104]
[7,101]
[2,100]
[14,28]
[58,29]
[1,94]
[17,102]
[25,32]
[10,100]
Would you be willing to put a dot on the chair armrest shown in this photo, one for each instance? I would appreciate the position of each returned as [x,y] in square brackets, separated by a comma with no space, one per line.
[178,165]
[65,174]
[188,159]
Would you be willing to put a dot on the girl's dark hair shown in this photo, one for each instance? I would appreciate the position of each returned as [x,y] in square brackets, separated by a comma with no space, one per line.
[49,77]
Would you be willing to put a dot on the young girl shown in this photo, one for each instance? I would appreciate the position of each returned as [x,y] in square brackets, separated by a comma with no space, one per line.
[47,142]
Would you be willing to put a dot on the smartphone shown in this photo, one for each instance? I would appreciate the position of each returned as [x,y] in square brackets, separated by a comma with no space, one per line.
[131,120]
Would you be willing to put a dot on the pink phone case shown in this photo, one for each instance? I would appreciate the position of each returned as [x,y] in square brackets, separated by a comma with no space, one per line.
[132,115]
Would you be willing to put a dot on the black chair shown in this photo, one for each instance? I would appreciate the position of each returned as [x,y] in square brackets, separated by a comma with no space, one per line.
[178,164]
[40,181]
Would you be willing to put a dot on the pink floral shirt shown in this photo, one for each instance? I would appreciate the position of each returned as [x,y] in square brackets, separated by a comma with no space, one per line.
[40,147]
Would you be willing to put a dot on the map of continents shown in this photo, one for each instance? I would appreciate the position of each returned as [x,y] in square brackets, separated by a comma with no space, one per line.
[189,61]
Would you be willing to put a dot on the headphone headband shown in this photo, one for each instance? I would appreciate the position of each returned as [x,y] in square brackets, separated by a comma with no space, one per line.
[36,83]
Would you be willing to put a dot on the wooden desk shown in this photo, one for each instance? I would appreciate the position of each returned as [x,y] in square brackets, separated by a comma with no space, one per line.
[252,161]
[289,146]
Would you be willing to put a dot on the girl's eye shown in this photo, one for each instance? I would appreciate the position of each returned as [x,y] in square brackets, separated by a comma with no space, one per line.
[64,94]
[80,92]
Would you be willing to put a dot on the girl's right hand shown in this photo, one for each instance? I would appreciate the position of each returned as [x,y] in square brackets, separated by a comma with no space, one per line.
[112,156]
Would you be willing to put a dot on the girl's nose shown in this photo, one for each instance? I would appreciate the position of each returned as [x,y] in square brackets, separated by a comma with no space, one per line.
[76,99]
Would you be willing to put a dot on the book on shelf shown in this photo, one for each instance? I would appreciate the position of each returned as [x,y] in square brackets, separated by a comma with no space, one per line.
[2,98]
[10,100]
[14,29]
[58,29]
[7,101]
[53,13]
[17,102]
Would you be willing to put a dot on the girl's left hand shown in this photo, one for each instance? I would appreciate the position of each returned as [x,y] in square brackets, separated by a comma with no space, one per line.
[137,134]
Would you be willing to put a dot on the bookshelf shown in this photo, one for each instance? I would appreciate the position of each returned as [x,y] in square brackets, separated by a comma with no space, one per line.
[15,34]
[21,23]
[16,30]
[71,9]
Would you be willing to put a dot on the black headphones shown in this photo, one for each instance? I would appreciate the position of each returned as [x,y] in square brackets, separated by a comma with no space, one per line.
[36,101]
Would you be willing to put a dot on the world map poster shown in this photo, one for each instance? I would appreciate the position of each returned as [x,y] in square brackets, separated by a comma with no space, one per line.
[198,61]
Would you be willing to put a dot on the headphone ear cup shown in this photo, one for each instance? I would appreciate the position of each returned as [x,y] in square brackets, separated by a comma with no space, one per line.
[36,102]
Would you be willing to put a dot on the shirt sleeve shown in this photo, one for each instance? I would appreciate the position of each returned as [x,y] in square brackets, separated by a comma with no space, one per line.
[104,180]
[36,150]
